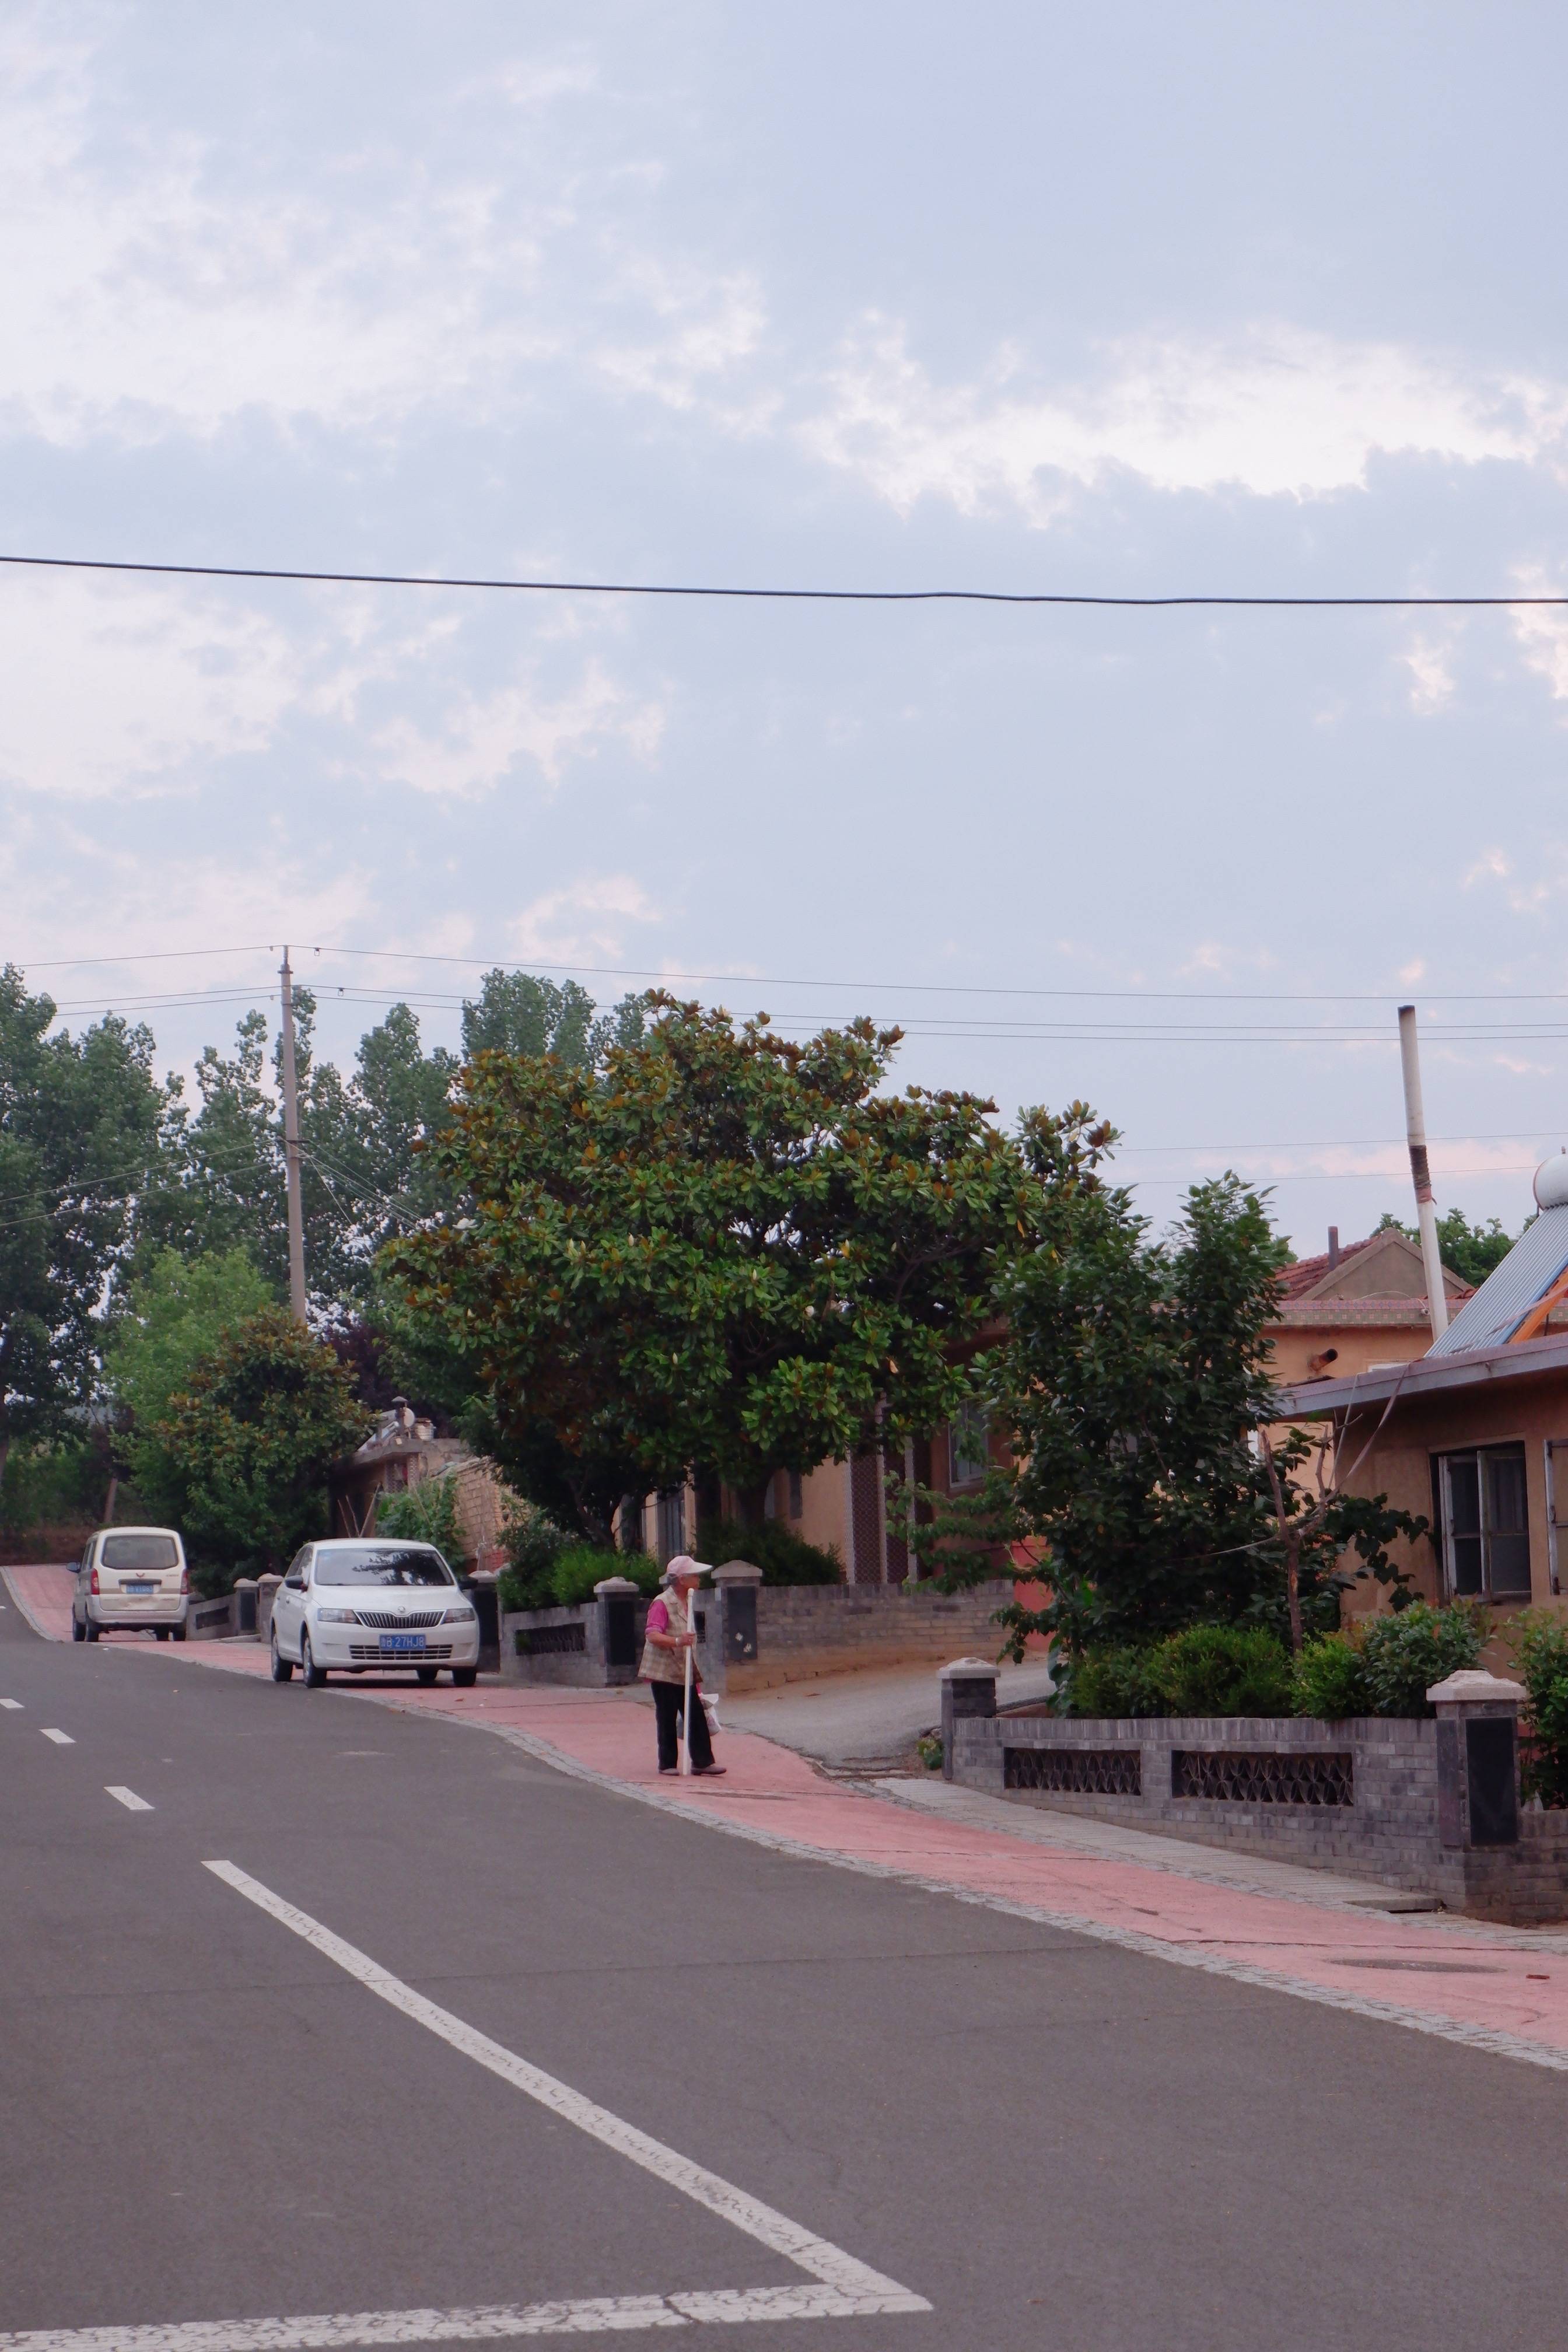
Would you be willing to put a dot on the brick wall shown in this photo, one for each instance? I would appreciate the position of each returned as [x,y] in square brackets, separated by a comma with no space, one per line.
[1388,1831]
[816,1629]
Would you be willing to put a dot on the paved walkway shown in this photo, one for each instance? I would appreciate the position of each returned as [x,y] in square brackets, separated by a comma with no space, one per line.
[875,1713]
[1505,1991]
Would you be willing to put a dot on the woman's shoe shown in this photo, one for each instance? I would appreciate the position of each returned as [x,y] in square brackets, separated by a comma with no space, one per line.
[709,1771]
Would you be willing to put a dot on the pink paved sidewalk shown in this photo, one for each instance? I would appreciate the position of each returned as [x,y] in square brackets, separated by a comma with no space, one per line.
[1499,1988]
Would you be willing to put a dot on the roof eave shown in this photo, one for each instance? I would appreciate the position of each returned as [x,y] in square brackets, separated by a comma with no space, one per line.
[1426,1376]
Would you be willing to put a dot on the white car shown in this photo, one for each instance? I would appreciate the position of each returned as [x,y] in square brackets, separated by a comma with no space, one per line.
[132,1577]
[360,1604]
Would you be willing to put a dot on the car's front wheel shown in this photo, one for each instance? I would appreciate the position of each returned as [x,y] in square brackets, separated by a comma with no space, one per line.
[426,1674]
[282,1671]
[311,1674]
[465,1677]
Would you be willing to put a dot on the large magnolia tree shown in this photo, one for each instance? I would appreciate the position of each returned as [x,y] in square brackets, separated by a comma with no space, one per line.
[722,1249]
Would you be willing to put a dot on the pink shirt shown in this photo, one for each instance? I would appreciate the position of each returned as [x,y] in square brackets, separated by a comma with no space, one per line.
[659,1618]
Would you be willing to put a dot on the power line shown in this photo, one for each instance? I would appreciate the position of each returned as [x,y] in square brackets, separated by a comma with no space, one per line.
[1404,990]
[772,594]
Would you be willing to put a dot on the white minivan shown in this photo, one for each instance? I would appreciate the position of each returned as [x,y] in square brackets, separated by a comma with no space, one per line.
[132,1577]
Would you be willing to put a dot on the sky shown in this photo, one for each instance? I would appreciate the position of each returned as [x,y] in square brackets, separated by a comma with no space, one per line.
[1124,300]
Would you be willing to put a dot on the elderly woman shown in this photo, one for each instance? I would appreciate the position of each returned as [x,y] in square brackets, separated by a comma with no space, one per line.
[671,1636]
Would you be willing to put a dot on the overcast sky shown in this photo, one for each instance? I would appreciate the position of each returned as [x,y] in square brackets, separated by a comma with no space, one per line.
[1127,298]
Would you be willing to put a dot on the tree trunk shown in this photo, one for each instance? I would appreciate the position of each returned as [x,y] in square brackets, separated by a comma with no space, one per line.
[1293,1595]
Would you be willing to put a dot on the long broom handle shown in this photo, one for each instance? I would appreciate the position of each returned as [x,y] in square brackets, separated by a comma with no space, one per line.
[685,1709]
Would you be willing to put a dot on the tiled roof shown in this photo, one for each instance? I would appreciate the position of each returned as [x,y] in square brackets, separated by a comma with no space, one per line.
[1310,1270]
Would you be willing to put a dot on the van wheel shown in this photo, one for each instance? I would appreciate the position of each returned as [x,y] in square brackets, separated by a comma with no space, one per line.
[79,1631]
[89,1631]
[282,1670]
[311,1674]
[161,1632]
[179,1632]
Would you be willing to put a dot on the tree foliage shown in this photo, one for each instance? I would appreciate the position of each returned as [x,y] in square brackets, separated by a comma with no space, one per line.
[727,1250]
[248,1444]
[1134,1374]
[1470,1251]
[82,1123]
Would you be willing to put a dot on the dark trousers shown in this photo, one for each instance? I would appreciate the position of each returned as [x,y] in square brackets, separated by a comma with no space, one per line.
[669,1701]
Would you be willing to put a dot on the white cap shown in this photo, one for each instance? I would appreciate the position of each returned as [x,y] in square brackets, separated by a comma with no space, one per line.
[682,1564]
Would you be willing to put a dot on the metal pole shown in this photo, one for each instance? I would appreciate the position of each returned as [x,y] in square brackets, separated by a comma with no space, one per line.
[291,1151]
[690,1701]
[1426,1207]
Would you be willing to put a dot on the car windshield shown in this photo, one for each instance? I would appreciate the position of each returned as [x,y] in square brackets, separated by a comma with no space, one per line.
[382,1564]
[140,1551]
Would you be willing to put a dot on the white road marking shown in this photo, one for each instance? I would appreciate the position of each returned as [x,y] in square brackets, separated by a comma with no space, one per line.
[12,1705]
[60,1738]
[340,2331]
[854,2282]
[130,1800]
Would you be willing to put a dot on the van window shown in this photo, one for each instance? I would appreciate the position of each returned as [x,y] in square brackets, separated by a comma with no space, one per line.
[140,1551]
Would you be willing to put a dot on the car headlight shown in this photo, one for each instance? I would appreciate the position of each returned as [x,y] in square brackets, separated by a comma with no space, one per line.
[337,1617]
[463,1616]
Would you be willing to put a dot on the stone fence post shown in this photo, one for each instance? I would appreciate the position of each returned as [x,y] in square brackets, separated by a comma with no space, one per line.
[613,1628]
[732,1641]
[1477,1758]
[266,1587]
[968,1690]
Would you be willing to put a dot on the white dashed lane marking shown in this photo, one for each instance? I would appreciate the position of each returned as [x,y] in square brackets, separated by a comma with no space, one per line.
[60,1738]
[130,1800]
[13,1705]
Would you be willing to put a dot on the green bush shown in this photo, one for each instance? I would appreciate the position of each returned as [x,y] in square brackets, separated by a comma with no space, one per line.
[1330,1679]
[426,1513]
[784,1557]
[1404,1654]
[1540,1645]
[1109,1683]
[1223,1670]
[580,1566]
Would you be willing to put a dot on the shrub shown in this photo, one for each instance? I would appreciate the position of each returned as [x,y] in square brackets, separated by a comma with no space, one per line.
[1404,1654]
[1540,1645]
[1330,1679]
[1223,1670]
[426,1513]
[784,1557]
[1110,1681]
[533,1543]
[580,1566]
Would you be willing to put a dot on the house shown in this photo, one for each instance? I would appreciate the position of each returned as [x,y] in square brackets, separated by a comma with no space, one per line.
[1352,1309]
[402,1451]
[1472,1433]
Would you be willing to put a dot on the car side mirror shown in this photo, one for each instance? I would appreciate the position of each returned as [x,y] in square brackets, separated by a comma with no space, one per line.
[295,1583]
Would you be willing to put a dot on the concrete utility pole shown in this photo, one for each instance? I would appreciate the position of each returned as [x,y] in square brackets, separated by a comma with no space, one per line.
[1426,1207]
[291,1151]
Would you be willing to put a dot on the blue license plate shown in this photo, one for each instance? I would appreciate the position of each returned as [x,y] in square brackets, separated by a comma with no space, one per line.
[402,1645]
[140,1587]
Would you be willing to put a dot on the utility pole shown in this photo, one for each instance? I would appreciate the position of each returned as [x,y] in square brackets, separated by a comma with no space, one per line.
[1426,1207]
[291,1151]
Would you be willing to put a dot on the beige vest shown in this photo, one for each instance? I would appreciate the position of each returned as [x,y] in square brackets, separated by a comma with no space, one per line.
[668,1665]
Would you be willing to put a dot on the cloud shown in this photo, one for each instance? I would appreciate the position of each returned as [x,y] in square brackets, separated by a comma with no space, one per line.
[117,689]
[484,736]
[583,920]
[1278,411]
[1432,676]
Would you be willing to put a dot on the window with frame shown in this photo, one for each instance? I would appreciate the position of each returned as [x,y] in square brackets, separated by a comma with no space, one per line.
[1484,1513]
[968,1446]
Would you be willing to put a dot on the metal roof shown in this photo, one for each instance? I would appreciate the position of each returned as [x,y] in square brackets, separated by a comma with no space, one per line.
[1511,1289]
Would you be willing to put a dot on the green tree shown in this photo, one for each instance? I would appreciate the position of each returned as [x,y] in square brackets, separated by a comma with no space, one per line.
[519,1012]
[1133,1375]
[83,1126]
[249,1443]
[178,1312]
[727,1250]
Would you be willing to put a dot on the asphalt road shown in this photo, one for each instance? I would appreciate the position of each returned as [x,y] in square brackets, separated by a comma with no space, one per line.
[1055,2143]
